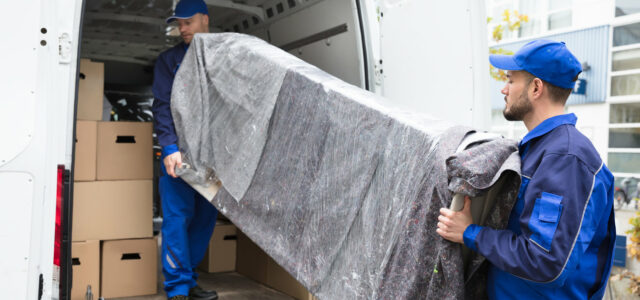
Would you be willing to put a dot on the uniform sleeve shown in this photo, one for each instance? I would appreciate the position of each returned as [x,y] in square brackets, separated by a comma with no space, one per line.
[163,121]
[564,204]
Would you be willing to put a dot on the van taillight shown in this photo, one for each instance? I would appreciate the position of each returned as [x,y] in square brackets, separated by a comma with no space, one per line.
[57,243]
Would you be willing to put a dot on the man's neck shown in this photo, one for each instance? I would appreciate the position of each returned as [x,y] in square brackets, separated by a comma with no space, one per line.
[533,119]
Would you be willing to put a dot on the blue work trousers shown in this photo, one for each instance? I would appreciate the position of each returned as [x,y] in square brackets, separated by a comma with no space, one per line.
[187,225]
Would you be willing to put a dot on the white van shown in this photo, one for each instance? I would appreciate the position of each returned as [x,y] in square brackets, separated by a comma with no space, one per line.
[430,56]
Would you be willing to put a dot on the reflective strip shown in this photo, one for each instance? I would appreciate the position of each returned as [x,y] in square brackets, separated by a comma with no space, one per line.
[543,248]
[170,261]
[174,257]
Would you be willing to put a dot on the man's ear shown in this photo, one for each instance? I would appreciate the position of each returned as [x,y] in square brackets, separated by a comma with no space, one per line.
[536,87]
[205,19]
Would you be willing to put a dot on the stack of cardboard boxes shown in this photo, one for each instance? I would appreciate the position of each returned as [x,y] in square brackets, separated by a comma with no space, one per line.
[113,247]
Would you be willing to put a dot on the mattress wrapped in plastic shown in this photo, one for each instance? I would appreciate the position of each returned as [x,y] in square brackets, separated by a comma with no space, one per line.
[340,187]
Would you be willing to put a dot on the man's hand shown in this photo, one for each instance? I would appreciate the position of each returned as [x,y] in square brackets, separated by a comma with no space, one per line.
[172,161]
[452,224]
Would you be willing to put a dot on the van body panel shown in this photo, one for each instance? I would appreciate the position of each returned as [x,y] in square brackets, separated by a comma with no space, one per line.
[36,127]
[17,108]
[427,58]
[15,238]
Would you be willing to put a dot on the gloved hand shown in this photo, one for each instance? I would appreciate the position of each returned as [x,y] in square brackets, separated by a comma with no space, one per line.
[172,161]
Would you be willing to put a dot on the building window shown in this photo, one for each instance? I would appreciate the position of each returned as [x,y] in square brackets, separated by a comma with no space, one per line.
[625,60]
[559,20]
[530,28]
[627,7]
[624,138]
[625,64]
[624,162]
[543,16]
[625,85]
[626,35]
[624,113]
[623,157]
[495,12]
[533,10]
[559,14]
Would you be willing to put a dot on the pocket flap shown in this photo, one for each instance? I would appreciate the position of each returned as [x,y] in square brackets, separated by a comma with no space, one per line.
[550,207]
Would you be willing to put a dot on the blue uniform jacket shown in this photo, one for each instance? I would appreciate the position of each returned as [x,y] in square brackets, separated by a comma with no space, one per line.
[561,232]
[164,72]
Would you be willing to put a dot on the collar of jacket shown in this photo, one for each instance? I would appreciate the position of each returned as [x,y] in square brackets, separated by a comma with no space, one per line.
[546,126]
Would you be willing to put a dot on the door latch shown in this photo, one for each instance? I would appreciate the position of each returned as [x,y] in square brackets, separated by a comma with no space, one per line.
[64,48]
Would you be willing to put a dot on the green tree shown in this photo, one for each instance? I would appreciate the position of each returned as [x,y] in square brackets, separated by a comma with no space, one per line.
[511,21]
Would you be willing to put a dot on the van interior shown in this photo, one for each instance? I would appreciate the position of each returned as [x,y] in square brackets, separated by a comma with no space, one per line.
[128,35]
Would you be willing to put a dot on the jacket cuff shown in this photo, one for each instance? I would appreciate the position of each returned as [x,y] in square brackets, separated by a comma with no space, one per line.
[469,236]
[169,149]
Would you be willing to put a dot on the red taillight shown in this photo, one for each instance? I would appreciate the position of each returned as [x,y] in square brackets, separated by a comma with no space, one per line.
[57,244]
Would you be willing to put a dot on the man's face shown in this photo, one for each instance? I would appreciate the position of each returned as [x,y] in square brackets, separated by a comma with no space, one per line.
[517,104]
[189,27]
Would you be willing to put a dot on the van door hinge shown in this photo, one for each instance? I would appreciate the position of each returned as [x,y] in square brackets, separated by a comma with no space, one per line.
[64,48]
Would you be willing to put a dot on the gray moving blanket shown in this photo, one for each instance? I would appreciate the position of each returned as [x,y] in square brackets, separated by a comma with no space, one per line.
[333,182]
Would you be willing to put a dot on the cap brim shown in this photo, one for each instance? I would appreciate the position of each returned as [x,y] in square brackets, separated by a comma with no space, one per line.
[173,18]
[504,62]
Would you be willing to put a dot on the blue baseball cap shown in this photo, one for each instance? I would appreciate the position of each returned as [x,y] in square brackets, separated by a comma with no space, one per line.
[548,60]
[188,8]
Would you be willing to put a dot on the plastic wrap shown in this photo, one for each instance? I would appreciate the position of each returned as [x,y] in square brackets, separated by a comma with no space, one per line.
[337,185]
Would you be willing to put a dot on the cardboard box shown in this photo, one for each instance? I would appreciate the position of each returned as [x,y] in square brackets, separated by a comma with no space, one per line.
[279,279]
[90,90]
[254,263]
[251,261]
[129,268]
[109,210]
[125,151]
[221,254]
[86,269]
[85,156]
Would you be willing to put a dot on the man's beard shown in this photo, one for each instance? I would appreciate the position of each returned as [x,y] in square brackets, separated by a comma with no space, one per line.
[519,109]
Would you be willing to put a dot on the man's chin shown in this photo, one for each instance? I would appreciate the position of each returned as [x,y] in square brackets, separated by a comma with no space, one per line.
[510,117]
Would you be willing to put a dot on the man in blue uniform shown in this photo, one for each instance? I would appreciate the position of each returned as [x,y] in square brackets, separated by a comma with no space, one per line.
[188,218]
[560,236]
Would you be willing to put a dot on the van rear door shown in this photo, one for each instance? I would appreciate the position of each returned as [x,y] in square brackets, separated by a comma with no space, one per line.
[39,57]
[431,57]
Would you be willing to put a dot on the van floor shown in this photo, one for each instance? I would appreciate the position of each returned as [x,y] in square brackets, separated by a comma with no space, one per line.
[230,286]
